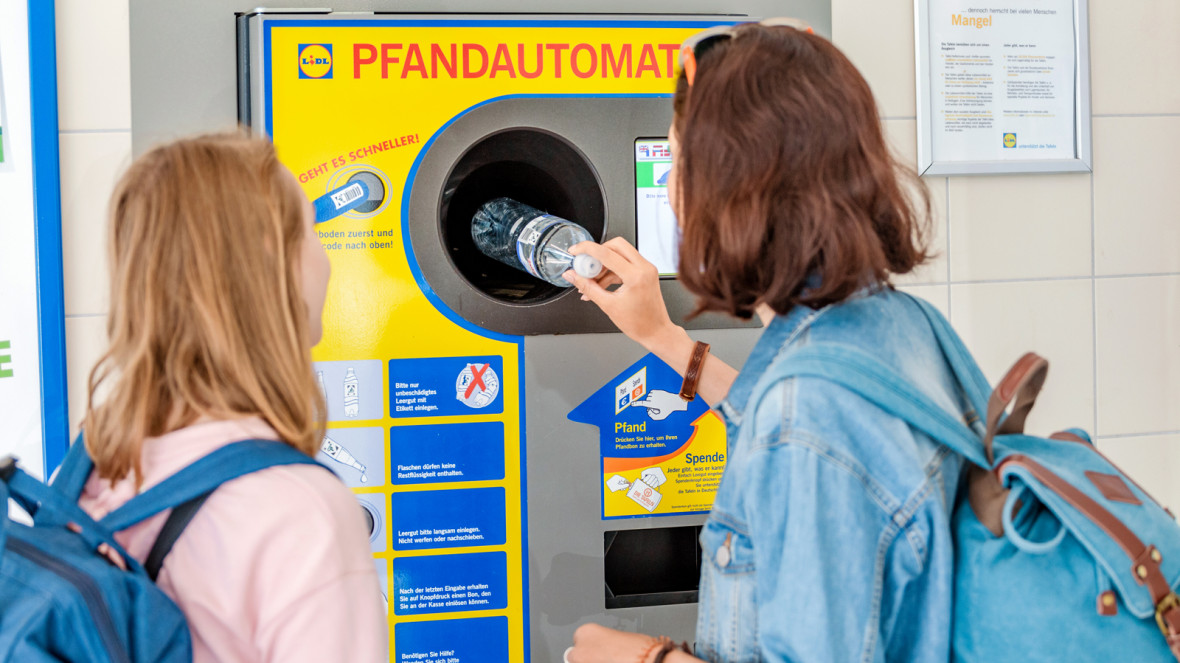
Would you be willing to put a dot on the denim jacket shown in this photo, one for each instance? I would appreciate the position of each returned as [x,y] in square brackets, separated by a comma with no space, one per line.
[830,537]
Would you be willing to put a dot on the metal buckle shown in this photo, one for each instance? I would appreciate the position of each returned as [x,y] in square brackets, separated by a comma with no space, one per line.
[1169,602]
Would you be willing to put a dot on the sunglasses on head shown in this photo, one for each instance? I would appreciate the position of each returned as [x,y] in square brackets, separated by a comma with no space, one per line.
[697,45]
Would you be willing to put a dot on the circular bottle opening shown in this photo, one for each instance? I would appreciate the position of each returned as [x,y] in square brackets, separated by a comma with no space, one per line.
[377,182]
[372,520]
[532,166]
[376,190]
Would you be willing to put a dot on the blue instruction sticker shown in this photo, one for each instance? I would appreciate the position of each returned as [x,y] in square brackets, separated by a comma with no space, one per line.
[441,453]
[639,414]
[450,583]
[446,386]
[661,455]
[448,518]
[477,640]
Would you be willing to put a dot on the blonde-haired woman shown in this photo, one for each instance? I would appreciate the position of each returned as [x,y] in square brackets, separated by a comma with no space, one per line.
[218,282]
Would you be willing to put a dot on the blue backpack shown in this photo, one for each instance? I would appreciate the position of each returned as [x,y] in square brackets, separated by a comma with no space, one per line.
[68,590]
[1060,556]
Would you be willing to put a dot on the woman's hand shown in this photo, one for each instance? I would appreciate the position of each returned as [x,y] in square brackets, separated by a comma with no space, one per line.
[599,644]
[637,307]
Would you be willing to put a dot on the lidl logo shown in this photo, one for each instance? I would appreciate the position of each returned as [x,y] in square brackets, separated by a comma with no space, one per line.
[1009,140]
[315,60]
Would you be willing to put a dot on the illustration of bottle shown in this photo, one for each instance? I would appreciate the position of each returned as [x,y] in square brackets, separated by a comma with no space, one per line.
[352,401]
[319,378]
[531,241]
[336,451]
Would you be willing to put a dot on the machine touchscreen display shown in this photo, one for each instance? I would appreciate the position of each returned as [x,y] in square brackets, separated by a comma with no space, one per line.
[657,236]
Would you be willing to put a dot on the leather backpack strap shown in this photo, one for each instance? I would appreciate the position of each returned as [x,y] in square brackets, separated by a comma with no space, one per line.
[1069,436]
[1021,384]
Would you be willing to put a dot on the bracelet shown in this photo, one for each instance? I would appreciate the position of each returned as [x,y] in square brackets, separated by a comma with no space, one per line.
[669,647]
[659,642]
[692,375]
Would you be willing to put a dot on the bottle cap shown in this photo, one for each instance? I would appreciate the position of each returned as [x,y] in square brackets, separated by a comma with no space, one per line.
[587,267]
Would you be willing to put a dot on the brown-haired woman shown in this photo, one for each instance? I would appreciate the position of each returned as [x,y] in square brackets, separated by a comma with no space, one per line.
[218,285]
[829,537]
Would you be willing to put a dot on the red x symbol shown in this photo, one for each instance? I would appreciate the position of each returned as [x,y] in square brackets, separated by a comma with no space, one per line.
[476,379]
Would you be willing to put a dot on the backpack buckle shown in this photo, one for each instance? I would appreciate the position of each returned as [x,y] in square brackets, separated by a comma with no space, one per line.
[7,467]
[111,556]
[1167,604]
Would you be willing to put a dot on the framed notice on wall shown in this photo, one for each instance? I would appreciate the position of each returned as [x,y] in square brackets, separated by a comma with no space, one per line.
[1003,86]
[34,424]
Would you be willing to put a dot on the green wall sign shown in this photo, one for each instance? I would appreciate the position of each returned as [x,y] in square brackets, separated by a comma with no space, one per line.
[5,360]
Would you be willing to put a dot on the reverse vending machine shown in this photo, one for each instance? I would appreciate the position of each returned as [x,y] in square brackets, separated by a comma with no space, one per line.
[524,468]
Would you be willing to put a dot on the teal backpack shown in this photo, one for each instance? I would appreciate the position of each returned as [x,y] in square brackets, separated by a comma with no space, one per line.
[68,590]
[1060,556]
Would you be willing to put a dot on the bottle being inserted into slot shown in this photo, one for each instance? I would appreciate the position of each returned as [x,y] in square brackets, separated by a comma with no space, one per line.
[532,241]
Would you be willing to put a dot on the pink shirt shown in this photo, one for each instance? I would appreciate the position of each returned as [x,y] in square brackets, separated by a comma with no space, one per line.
[274,567]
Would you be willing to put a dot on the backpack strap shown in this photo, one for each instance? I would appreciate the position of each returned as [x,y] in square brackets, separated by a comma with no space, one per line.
[864,375]
[972,380]
[42,502]
[177,521]
[50,508]
[203,476]
[74,471]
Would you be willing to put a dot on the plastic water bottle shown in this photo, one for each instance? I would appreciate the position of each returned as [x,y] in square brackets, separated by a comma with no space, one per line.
[532,241]
[351,397]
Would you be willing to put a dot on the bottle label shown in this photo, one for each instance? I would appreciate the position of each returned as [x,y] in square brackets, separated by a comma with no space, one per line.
[347,195]
[526,244]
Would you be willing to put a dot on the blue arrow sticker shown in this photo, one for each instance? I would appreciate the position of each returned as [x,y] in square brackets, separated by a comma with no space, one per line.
[660,455]
[338,201]
[638,406]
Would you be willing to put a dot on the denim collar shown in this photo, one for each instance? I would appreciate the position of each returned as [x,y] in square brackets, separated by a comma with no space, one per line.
[779,334]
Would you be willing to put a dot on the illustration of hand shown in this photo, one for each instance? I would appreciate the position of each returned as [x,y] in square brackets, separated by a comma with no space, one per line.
[653,476]
[617,483]
[660,404]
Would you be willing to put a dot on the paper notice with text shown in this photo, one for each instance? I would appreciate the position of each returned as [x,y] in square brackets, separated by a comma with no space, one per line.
[1002,80]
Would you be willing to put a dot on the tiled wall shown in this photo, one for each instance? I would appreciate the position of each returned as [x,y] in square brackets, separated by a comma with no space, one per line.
[94,120]
[1082,268]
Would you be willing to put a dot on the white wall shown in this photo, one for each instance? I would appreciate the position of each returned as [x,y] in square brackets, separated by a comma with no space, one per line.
[1081,268]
